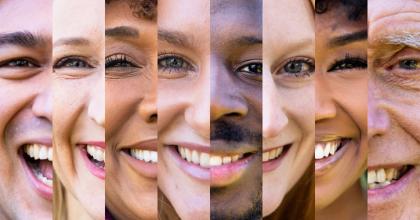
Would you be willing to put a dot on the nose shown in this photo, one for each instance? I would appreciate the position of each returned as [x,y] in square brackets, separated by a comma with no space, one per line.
[43,104]
[96,106]
[378,118]
[274,117]
[148,110]
[324,104]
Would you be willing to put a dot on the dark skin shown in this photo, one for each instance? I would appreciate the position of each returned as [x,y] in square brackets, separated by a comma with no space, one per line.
[236,95]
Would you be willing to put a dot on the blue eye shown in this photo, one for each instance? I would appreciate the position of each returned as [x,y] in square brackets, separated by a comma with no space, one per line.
[73,62]
[298,67]
[173,63]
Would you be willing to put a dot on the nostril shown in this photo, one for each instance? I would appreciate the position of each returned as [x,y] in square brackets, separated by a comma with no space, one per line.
[233,114]
[152,118]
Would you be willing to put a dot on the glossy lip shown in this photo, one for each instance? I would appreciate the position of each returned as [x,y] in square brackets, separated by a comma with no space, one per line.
[148,170]
[42,189]
[96,171]
[323,165]
[271,165]
[382,195]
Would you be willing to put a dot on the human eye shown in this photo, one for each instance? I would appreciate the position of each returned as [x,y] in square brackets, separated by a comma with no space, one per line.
[23,62]
[349,62]
[73,62]
[251,69]
[120,65]
[297,67]
[173,66]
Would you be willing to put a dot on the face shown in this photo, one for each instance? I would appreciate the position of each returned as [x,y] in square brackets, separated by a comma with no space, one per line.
[131,132]
[236,109]
[26,108]
[394,150]
[340,114]
[79,136]
[183,105]
[288,121]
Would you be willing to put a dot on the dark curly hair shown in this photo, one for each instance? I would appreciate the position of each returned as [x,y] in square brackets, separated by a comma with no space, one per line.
[142,8]
[355,9]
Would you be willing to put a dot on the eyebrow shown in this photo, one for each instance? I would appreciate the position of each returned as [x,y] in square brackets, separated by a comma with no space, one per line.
[405,38]
[247,40]
[176,38]
[73,41]
[21,38]
[122,31]
[348,38]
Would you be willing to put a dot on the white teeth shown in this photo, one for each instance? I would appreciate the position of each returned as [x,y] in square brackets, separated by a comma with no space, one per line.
[144,155]
[43,179]
[97,153]
[271,154]
[205,159]
[381,177]
[38,152]
[326,149]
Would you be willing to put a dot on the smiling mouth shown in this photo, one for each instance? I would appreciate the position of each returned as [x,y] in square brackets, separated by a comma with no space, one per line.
[96,155]
[148,156]
[39,160]
[326,149]
[382,177]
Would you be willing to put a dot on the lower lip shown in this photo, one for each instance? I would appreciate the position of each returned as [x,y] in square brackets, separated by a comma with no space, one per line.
[227,174]
[148,170]
[381,195]
[42,189]
[273,164]
[193,170]
[96,171]
[323,165]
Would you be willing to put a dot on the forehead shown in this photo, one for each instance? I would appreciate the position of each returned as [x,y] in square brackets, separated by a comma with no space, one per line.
[29,15]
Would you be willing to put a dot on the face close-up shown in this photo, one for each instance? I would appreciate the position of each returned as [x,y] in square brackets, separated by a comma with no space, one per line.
[288,116]
[183,107]
[79,114]
[26,110]
[131,115]
[236,109]
[341,100]
[394,103]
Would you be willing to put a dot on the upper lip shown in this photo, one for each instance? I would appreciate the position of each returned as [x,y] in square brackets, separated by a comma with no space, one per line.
[193,146]
[233,148]
[42,141]
[150,144]
[100,144]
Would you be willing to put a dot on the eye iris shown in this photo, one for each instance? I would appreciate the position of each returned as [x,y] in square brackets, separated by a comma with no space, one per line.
[20,63]
[409,64]
[75,63]
[255,68]
[293,67]
[174,62]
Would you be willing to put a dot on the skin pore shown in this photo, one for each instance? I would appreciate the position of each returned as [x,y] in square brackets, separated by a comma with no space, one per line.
[131,119]
[341,99]
[26,107]
[79,115]
[183,104]
[289,94]
[394,70]
[236,108]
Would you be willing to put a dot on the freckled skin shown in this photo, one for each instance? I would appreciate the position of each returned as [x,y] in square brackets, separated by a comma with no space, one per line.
[25,110]
[129,194]
[394,104]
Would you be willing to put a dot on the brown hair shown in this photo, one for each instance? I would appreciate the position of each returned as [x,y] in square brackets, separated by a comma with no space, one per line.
[59,201]
[142,8]
[165,208]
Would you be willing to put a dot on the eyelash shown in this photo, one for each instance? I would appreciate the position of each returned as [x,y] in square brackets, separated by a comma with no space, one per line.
[23,62]
[302,60]
[257,65]
[72,62]
[119,61]
[349,62]
[185,65]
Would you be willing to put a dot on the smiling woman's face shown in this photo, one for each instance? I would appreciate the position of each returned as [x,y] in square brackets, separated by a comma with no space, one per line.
[131,44]
[341,99]
[78,54]
[289,96]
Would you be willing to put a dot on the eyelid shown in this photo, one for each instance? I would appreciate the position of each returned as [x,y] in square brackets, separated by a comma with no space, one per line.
[245,63]
[121,57]
[347,58]
[29,59]
[61,61]
[307,60]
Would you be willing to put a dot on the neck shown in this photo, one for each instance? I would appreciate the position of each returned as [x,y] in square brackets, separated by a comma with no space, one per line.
[74,209]
[350,205]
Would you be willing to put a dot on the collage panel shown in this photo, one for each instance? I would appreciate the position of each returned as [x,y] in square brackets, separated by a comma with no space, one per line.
[341,82]
[288,109]
[184,109]
[78,109]
[26,174]
[131,109]
[393,110]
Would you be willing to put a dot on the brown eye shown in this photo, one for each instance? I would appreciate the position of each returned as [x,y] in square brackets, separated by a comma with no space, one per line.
[409,64]
[19,63]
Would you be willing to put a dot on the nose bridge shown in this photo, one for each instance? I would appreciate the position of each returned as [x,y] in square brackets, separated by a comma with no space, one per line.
[378,119]
[274,117]
[43,102]
[96,105]
[148,106]
[324,103]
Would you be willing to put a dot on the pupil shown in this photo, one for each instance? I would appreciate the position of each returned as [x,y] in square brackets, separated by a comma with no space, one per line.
[294,67]
[408,64]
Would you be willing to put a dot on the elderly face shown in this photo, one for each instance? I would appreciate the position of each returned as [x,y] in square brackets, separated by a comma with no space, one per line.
[26,108]
[183,105]
[236,109]
[394,103]
[341,96]
[79,137]
[131,132]
[288,119]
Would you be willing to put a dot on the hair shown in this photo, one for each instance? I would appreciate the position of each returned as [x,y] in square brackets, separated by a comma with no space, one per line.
[146,9]
[165,209]
[355,9]
[59,201]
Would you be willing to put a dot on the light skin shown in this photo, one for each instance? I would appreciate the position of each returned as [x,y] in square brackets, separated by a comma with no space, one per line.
[78,58]
[341,98]
[130,119]
[288,115]
[26,104]
[394,68]
[183,117]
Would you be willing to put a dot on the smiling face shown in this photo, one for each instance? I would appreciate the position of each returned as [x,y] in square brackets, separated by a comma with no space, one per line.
[79,136]
[394,150]
[26,108]
[341,98]
[183,105]
[288,97]
[236,109]
[131,132]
